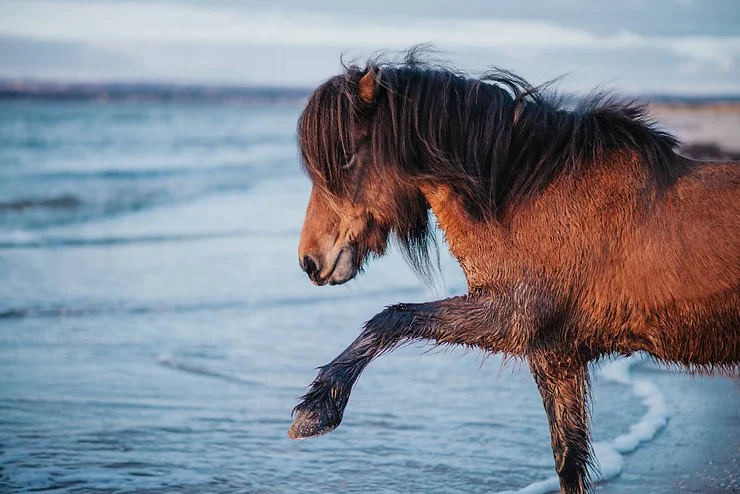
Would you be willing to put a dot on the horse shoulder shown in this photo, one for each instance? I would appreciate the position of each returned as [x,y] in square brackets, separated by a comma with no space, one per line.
[479,245]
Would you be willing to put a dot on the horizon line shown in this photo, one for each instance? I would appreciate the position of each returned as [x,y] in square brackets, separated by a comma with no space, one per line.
[22,87]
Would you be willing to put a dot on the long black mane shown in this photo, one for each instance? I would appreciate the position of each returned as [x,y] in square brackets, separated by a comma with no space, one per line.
[496,137]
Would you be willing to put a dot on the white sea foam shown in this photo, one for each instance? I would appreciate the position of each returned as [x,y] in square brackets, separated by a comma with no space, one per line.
[609,453]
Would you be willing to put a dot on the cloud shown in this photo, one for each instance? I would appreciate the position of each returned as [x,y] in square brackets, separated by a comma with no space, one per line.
[213,41]
[111,24]
[50,59]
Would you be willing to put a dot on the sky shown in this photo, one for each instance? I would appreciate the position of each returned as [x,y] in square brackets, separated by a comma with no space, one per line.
[636,46]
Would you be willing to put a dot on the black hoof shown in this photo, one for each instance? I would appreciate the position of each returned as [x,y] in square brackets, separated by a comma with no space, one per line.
[314,419]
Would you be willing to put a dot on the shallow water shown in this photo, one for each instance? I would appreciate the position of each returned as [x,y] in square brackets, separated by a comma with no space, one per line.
[156,331]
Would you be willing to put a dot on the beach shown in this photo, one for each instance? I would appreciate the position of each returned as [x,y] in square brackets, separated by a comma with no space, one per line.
[156,330]
[708,130]
[699,450]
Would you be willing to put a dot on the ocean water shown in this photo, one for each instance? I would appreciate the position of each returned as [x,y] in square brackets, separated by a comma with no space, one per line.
[156,331]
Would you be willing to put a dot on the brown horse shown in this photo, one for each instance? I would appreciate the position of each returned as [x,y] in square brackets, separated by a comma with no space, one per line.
[581,233]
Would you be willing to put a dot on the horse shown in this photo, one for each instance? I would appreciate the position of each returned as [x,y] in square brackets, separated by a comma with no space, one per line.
[581,232]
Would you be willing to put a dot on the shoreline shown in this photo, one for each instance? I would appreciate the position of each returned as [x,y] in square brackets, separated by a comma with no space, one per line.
[699,449]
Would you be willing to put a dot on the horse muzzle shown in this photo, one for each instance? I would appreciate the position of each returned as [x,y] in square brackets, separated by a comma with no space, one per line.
[336,271]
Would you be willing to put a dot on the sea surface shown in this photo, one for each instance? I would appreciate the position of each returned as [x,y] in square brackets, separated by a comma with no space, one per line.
[156,330]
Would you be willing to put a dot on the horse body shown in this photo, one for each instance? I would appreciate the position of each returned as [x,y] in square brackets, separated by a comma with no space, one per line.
[637,285]
[581,235]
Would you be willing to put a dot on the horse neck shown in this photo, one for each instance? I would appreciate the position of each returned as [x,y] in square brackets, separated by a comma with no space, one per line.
[467,237]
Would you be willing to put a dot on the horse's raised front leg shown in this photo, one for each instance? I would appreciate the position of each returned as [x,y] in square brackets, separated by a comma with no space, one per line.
[496,323]
[564,385]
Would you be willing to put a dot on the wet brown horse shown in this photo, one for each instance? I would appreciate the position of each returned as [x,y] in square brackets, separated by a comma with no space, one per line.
[580,231]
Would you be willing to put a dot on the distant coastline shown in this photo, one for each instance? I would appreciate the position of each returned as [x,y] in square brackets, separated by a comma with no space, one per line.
[146,92]
[151,92]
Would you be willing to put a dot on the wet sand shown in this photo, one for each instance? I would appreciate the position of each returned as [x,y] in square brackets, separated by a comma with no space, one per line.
[699,450]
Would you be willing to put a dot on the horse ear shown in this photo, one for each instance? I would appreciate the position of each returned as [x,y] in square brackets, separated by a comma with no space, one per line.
[368,86]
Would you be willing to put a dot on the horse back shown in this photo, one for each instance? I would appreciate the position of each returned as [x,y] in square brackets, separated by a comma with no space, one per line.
[687,247]
[639,263]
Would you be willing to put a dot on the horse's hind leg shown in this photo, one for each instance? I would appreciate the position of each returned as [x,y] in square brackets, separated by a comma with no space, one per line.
[564,386]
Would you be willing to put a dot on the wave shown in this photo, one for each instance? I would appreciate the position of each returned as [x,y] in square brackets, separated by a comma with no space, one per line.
[98,310]
[222,156]
[114,309]
[136,173]
[60,202]
[69,197]
[53,242]
[99,202]
[192,368]
[609,454]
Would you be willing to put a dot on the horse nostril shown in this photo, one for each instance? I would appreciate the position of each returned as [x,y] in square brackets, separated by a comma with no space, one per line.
[309,266]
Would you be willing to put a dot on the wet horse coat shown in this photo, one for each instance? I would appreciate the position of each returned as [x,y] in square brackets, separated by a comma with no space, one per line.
[581,233]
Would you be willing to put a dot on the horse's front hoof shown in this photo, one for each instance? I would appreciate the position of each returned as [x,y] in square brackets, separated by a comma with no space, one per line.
[313,420]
